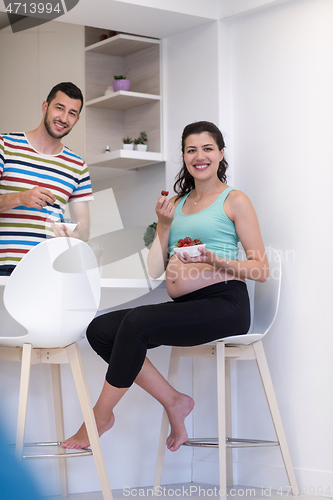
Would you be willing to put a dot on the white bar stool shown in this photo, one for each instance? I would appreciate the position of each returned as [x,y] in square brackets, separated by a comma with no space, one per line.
[54,293]
[241,347]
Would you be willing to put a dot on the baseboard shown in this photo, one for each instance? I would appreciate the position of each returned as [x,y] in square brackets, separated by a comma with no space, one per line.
[258,475]
[310,482]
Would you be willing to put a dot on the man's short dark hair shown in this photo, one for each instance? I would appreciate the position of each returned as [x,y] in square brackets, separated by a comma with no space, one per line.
[67,88]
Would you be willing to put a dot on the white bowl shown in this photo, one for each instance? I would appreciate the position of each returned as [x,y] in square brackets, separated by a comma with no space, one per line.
[192,251]
[69,225]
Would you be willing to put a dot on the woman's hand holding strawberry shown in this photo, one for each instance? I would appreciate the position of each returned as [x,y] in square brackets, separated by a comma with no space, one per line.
[165,210]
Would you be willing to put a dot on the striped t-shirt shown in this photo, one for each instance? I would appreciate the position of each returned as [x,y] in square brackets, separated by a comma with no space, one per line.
[22,167]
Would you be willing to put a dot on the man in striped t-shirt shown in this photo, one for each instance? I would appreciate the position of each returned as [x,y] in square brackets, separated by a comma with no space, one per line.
[38,176]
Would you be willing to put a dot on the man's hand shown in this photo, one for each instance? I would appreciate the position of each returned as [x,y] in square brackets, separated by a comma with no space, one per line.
[61,230]
[37,197]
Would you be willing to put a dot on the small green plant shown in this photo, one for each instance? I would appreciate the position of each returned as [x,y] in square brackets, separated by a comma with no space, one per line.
[127,140]
[121,77]
[142,139]
[149,235]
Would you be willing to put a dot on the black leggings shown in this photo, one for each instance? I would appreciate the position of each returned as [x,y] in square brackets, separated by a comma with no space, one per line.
[122,337]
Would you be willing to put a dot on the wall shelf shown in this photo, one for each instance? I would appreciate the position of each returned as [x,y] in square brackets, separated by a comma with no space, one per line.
[124,159]
[122,45]
[122,100]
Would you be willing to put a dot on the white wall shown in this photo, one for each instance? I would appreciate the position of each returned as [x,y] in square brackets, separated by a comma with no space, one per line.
[232,8]
[131,204]
[32,62]
[282,102]
[190,87]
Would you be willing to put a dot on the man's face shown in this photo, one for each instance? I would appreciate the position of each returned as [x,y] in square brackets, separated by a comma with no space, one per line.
[61,115]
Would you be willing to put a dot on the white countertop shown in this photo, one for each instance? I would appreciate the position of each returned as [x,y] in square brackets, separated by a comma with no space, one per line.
[116,292]
[116,283]
[131,283]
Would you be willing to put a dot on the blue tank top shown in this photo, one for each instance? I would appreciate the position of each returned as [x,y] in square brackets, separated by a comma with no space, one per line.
[211,225]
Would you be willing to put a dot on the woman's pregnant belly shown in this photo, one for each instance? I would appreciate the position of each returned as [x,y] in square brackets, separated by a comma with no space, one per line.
[185,278]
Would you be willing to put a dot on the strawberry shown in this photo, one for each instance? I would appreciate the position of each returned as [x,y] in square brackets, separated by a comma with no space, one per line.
[164,193]
[188,242]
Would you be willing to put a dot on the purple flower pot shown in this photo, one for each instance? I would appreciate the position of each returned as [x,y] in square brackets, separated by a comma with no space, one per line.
[121,85]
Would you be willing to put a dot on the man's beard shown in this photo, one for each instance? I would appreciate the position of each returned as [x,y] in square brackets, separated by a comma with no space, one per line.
[49,130]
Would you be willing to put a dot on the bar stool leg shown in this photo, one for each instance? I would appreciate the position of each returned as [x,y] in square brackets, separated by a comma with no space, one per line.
[59,421]
[23,399]
[228,423]
[221,408]
[274,409]
[89,419]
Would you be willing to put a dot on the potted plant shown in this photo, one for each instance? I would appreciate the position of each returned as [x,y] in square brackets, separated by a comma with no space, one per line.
[149,235]
[128,143]
[120,82]
[140,144]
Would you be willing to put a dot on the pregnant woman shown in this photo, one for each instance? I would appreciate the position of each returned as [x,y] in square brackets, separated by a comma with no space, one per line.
[208,292]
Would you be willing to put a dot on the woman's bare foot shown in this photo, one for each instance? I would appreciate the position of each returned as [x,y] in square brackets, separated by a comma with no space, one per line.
[177,414]
[80,439]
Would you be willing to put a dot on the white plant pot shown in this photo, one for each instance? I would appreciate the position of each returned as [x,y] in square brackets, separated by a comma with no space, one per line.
[140,147]
[128,146]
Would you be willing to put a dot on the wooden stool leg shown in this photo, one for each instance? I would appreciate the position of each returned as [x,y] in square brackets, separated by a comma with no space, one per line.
[172,379]
[276,417]
[89,419]
[23,399]
[221,408]
[59,421]
[228,425]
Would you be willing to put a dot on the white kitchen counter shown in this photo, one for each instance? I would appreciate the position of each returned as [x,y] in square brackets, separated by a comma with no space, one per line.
[115,283]
[115,293]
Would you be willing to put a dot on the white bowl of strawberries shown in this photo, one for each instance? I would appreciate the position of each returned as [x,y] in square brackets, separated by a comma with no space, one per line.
[191,247]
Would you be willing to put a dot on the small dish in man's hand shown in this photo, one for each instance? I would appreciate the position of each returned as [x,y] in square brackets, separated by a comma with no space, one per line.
[66,222]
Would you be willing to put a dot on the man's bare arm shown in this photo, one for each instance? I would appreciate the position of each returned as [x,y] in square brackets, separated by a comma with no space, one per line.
[37,197]
[79,212]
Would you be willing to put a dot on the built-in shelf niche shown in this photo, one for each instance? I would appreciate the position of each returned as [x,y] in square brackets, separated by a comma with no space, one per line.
[111,117]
